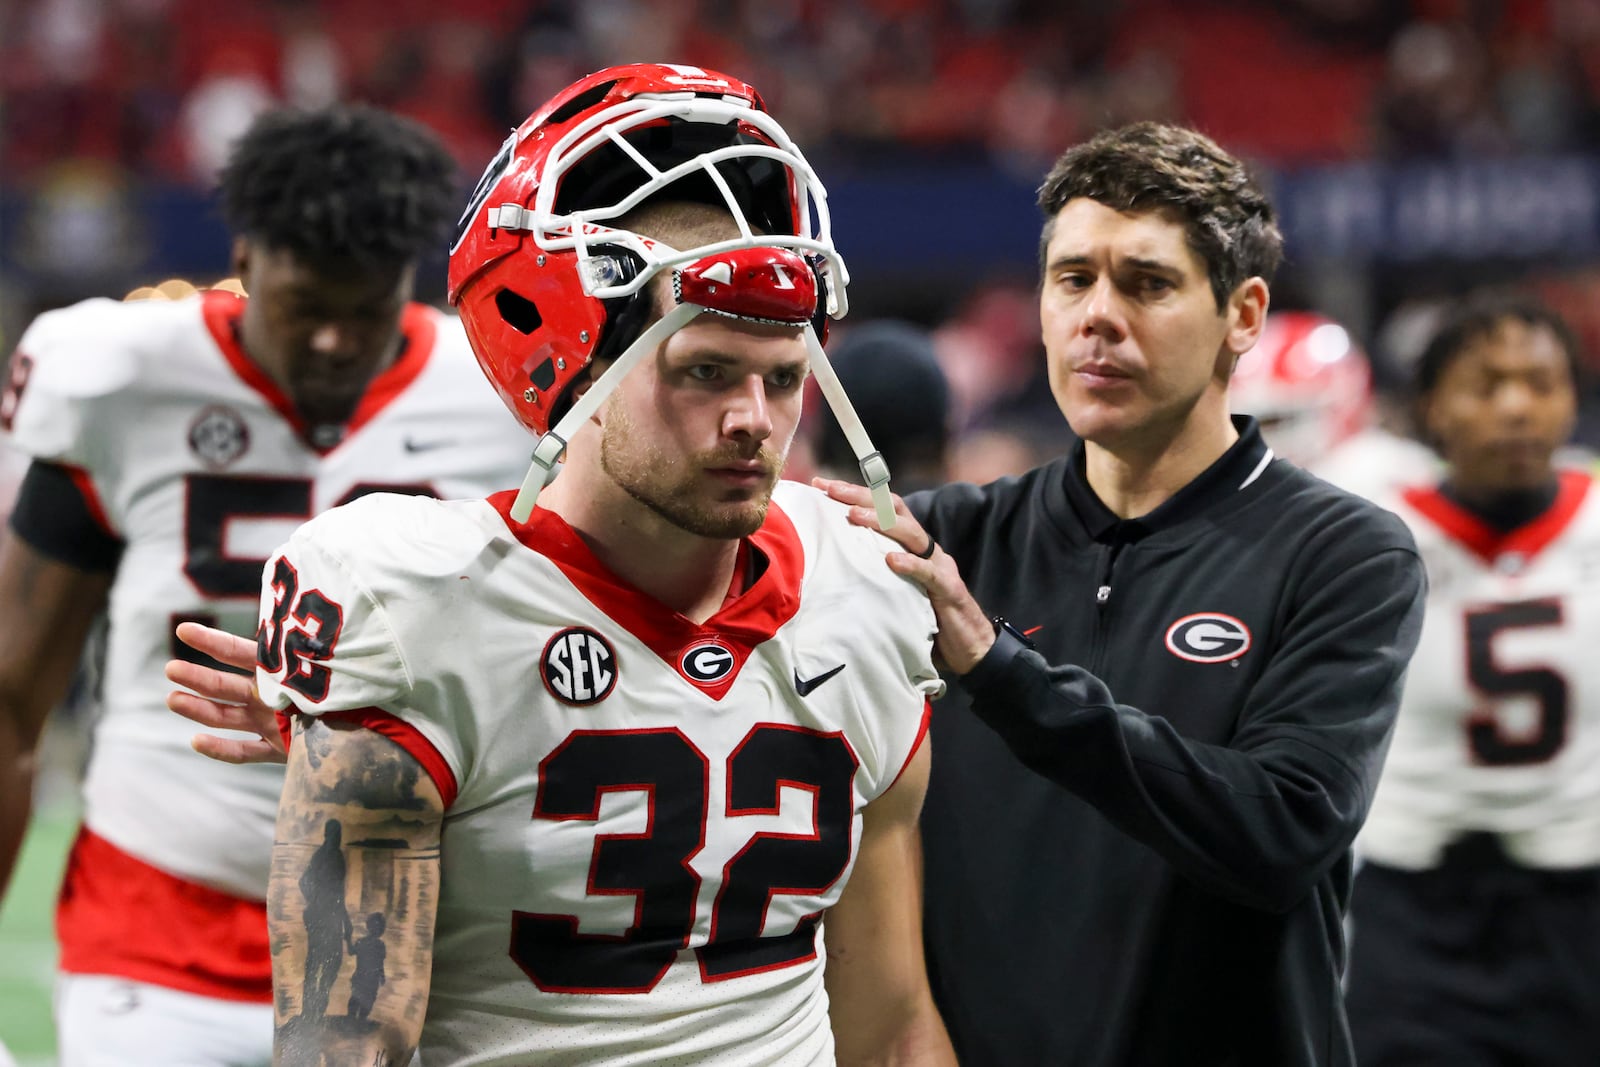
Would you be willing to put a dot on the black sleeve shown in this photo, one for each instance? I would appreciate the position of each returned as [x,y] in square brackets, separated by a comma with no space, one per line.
[1260,820]
[53,517]
[952,514]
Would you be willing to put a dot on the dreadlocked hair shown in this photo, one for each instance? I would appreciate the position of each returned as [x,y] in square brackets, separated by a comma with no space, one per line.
[340,184]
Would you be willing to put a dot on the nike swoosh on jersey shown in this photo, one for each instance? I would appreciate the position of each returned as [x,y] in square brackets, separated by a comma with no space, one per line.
[804,686]
[413,445]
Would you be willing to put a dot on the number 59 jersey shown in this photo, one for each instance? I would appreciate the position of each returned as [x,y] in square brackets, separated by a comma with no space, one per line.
[646,817]
[1499,728]
[199,464]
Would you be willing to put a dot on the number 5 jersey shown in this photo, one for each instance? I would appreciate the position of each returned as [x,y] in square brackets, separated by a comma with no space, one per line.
[645,817]
[1499,728]
[186,452]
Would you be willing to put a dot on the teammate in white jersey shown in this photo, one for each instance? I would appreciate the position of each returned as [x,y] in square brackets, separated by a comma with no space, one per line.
[579,784]
[173,446]
[1476,916]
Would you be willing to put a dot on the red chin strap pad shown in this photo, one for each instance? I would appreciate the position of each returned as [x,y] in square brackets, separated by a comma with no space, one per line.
[770,285]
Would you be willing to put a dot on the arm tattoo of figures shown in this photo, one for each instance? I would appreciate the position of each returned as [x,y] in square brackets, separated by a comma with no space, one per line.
[353,891]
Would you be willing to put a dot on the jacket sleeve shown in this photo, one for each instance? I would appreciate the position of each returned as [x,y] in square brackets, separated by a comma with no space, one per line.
[1261,819]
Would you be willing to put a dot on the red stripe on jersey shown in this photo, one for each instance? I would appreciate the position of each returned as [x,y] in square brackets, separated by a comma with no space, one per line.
[1488,543]
[120,916]
[286,726]
[407,737]
[916,743]
[84,482]
[742,623]
[222,311]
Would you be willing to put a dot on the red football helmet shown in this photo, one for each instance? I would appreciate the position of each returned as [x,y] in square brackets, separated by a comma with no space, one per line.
[546,284]
[1308,382]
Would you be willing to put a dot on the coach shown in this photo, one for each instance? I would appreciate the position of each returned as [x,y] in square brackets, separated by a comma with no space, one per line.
[1138,835]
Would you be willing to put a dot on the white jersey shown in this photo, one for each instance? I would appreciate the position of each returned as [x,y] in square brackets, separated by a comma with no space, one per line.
[645,817]
[1376,463]
[1499,728]
[198,463]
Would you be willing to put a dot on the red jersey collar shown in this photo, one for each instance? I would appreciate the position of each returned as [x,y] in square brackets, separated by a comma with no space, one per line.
[222,311]
[1483,540]
[743,622]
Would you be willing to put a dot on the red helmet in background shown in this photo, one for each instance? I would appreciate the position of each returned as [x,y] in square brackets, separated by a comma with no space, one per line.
[1307,381]
[545,282]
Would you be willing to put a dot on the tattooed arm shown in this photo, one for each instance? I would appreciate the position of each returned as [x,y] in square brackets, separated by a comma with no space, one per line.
[357,849]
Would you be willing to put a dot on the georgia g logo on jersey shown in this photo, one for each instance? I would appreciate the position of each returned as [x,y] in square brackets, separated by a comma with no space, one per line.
[578,666]
[1208,637]
[707,663]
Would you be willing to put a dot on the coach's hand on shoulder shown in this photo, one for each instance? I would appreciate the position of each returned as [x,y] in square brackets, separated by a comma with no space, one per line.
[222,700]
[965,633]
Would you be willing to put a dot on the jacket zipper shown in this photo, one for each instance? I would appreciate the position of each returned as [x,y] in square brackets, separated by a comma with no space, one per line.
[1102,603]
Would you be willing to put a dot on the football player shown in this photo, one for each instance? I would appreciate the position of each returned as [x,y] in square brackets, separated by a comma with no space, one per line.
[1477,911]
[173,445]
[1310,385]
[591,773]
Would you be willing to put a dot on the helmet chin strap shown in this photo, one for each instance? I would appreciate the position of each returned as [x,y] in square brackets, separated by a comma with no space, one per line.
[874,469]
[547,453]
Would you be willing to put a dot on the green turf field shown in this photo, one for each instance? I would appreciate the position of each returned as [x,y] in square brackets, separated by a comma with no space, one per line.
[27,943]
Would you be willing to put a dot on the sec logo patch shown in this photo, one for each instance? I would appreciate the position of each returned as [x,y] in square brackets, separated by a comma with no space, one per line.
[219,435]
[578,666]
[1208,637]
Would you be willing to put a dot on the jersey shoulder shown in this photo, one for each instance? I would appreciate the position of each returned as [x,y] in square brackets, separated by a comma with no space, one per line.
[85,370]
[389,539]
[1376,463]
[100,346]
[839,554]
[96,347]
[391,565]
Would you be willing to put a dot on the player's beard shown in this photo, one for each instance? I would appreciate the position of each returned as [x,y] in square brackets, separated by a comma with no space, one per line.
[675,487]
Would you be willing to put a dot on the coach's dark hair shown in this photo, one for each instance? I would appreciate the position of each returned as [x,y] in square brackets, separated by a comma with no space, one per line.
[1478,317]
[1149,166]
[341,184]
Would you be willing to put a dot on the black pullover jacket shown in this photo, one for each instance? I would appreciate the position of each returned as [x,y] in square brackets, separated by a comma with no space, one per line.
[1138,836]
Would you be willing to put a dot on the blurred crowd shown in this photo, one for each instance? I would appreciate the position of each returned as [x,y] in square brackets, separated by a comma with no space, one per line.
[158,88]
[102,95]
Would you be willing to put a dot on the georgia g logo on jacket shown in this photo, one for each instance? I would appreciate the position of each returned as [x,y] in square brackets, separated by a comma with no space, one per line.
[1208,637]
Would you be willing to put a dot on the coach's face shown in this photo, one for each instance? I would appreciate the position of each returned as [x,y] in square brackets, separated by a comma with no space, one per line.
[1502,407]
[699,434]
[321,334]
[1136,346]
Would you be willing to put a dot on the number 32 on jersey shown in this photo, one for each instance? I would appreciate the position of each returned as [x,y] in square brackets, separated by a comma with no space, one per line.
[654,867]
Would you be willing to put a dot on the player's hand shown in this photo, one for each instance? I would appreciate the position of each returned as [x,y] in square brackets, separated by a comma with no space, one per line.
[224,701]
[965,632]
